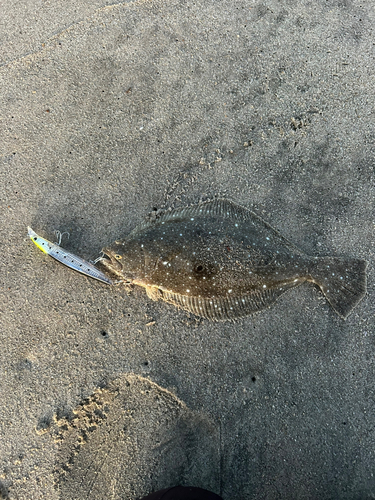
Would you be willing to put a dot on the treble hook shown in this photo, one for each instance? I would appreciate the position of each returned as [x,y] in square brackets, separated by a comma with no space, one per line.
[59,235]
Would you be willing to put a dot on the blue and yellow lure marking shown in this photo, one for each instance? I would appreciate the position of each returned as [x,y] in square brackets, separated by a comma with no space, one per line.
[67,258]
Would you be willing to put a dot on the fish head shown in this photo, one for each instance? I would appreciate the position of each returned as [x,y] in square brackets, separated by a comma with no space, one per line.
[112,259]
[125,260]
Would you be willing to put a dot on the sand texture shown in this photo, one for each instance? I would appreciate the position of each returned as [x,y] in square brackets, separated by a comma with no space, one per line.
[111,112]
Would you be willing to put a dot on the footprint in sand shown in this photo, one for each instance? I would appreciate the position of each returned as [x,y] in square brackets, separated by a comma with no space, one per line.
[131,438]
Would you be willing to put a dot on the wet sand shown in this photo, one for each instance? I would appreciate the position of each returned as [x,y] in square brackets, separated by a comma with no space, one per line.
[110,112]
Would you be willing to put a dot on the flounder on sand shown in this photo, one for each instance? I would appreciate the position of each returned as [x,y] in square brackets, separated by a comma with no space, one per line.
[220,261]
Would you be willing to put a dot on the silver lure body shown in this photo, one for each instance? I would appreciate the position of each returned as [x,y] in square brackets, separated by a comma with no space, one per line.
[68,259]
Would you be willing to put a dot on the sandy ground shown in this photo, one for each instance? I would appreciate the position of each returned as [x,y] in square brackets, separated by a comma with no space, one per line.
[110,111]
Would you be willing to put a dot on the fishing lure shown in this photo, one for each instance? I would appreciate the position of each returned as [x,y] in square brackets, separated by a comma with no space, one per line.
[67,258]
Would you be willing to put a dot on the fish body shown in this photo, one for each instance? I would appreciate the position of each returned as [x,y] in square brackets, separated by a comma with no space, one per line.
[220,261]
[68,259]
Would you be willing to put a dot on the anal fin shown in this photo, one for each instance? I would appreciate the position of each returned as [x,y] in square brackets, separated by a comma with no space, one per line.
[228,307]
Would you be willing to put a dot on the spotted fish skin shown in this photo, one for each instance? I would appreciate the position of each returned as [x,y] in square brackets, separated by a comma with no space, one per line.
[220,261]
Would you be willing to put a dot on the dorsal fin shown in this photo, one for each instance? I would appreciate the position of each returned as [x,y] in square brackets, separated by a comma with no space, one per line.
[224,308]
[219,207]
[222,208]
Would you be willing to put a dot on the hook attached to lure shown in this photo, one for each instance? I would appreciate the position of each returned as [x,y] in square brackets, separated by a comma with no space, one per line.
[67,258]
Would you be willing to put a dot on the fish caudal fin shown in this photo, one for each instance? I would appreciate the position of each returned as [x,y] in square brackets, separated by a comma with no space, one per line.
[342,281]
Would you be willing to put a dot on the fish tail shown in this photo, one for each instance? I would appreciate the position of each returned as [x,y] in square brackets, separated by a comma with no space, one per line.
[342,281]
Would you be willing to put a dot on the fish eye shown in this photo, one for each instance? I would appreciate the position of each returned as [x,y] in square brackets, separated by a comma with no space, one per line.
[118,257]
[199,268]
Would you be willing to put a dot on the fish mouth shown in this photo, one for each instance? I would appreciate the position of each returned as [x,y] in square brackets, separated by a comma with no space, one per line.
[109,262]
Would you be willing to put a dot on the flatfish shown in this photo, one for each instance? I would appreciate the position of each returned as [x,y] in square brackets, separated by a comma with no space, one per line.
[220,261]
